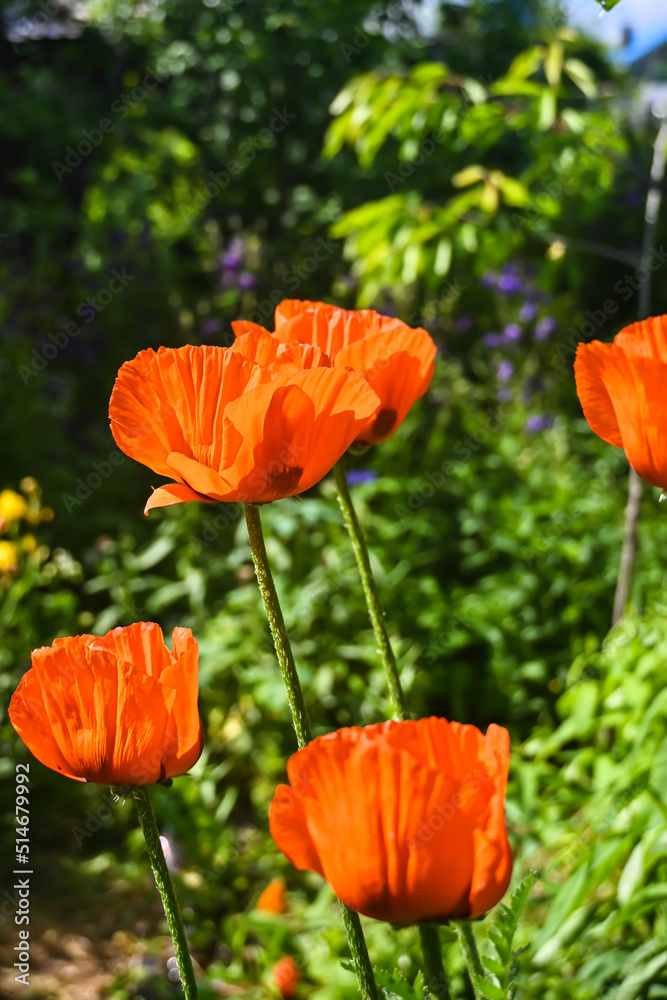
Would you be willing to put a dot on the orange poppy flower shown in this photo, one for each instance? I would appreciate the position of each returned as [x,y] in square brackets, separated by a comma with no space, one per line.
[115,709]
[405,820]
[273,899]
[396,360]
[622,388]
[227,428]
[286,977]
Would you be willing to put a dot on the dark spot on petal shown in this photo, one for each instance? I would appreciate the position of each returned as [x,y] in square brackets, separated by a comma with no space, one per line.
[384,423]
[285,481]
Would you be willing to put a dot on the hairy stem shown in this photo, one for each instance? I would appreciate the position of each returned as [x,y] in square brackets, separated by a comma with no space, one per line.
[434,970]
[375,612]
[468,945]
[355,934]
[360,957]
[172,910]
[267,589]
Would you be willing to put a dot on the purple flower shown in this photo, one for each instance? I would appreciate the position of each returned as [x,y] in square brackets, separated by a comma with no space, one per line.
[509,284]
[488,280]
[545,328]
[512,332]
[464,323]
[210,327]
[539,422]
[246,281]
[505,371]
[231,261]
[492,340]
[356,477]
[528,312]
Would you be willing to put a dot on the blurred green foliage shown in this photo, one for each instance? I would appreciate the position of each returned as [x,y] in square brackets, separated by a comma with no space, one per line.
[494,516]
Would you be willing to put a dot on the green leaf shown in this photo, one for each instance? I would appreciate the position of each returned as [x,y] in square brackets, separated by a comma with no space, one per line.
[634,983]
[501,934]
[488,989]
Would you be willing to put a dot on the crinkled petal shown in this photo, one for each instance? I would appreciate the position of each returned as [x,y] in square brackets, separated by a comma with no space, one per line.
[591,363]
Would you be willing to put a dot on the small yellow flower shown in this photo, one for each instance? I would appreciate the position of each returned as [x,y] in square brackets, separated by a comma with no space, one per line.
[28,484]
[8,557]
[47,514]
[12,506]
[29,543]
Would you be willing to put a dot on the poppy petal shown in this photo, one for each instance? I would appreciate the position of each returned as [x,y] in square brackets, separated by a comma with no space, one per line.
[636,386]
[172,493]
[144,706]
[141,644]
[28,716]
[647,339]
[399,368]
[183,741]
[405,820]
[172,401]
[289,829]
[202,479]
[265,349]
[295,429]
[591,363]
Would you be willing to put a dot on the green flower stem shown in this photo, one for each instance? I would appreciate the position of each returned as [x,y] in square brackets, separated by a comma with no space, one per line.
[360,957]
[373,602]
[434,970]
[172,910]
[267,587]
[468,945]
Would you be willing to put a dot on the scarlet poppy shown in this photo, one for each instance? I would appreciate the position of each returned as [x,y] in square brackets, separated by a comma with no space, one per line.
[396,360]
[227,428]
[286,977]
[273,899]
[622,388]
[115,709]
[405,820]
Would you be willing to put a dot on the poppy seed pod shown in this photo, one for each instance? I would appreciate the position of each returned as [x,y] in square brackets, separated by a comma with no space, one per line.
[226,428]
[622,388]
[118,709]
[396,361]
[405,820]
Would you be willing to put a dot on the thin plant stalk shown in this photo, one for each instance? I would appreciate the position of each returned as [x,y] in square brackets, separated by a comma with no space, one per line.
[635,485]
[468,944]
[355,935]
[267,589]
[359,952]
[373,602]
[430,939]
[163,881]
[434,970]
